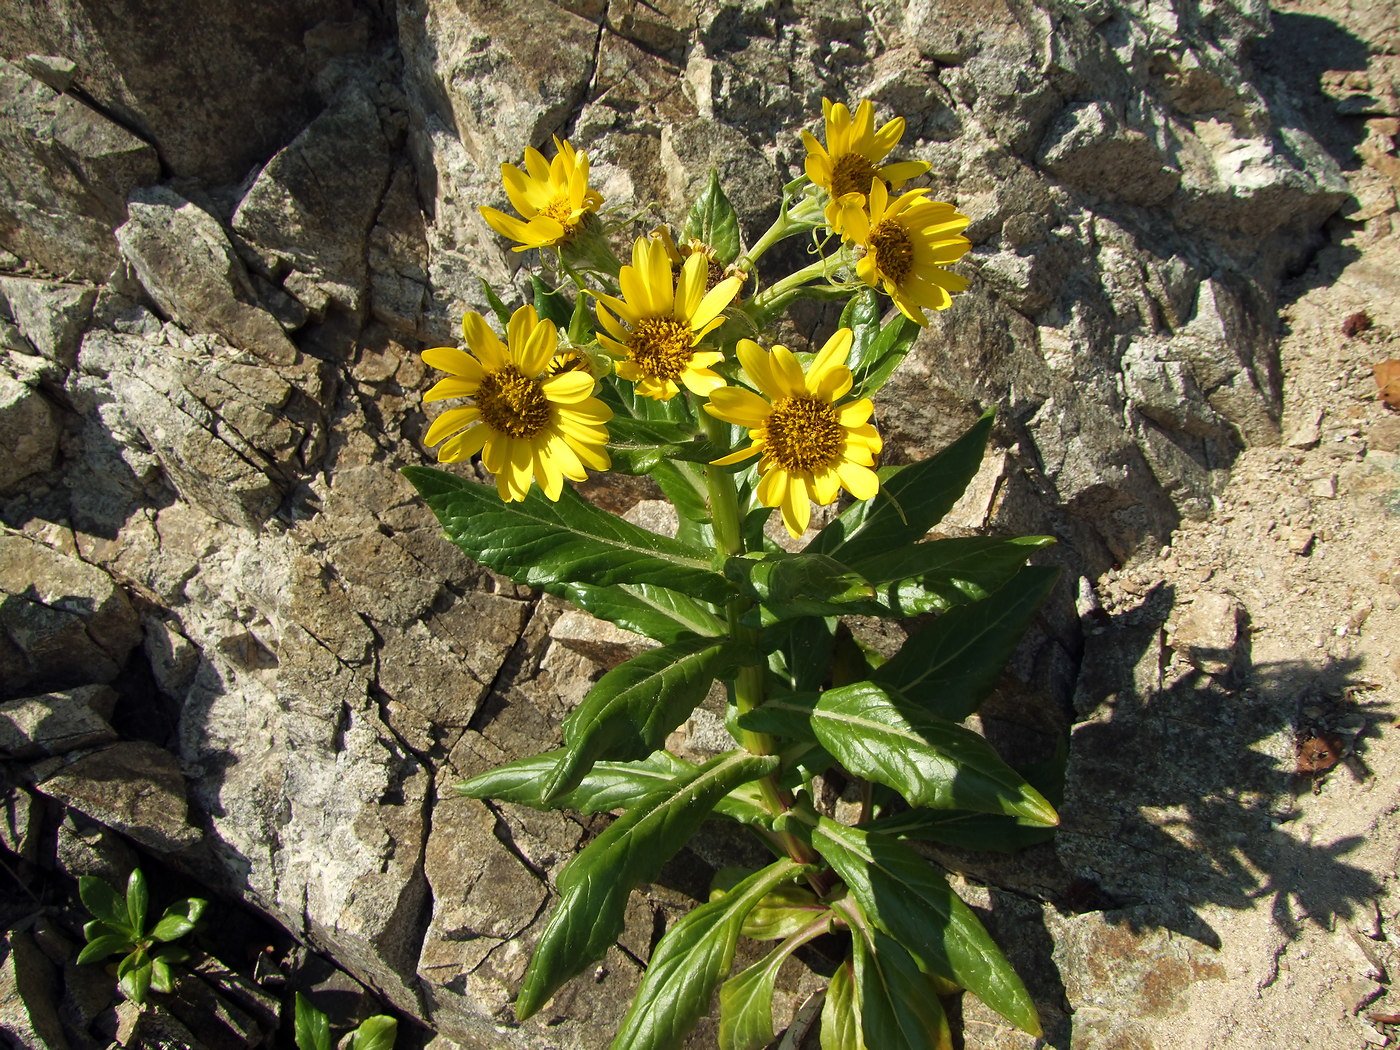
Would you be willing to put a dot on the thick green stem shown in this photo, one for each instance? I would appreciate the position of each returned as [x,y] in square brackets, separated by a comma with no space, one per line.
[748,686]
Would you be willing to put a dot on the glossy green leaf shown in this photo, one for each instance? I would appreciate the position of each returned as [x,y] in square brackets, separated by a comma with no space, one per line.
[746,999]
[785,911]
[877,734]
[805,645]
[179,919]
[841,1012]
[636,446]
[539,542]
[313,1029]
[898,1010]
[162,976]
[912,902]
[712,219]
[551,304]
[657,612]
[375,1033]
[950,665]
[134,976]
[594,885]
[792,585]
[104,903]
[972,831]
[498,308]
[630,711]
[788,715]
[690,960]
[138,900]
[911,501]
[580,326]
[684,485]
[974,566]
[876,348]
[103,945]
[608,786]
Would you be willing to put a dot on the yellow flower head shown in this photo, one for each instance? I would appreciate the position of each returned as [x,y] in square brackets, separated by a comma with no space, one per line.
[656,328]
[908,241]
[850,161]
[552,198]
[812,447]
[530,420]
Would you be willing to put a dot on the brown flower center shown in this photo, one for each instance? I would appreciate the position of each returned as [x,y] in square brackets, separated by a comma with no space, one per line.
[851,173]
[511,404]
[894,250]
[662,346]
[803,434]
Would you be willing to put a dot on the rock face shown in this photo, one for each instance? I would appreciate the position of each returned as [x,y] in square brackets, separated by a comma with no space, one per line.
[271,212]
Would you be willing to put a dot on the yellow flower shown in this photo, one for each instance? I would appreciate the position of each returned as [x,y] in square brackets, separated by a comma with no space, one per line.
[850,161]
[531,420]
[660,321]
[552,198]
[812,447]
[908,241]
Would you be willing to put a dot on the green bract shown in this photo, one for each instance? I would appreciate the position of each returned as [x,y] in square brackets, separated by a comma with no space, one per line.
[730,430]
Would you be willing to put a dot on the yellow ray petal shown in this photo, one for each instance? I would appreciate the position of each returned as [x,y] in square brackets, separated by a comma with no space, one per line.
[735,405]
[457,362]
[860,482]
[463,446]
[452,386]
[568,388]
[451,421]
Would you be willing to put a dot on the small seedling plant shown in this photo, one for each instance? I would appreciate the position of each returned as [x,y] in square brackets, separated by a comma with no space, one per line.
[666,366]
[313,1030]
[118,927]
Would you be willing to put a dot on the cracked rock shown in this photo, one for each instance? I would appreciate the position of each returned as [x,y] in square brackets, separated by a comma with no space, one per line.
[311,210]
[56,723]
[63,622]
[29,430]
[185,261]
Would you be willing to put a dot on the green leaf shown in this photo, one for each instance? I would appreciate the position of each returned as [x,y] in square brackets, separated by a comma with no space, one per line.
[805,645]
[497,307]
[636,446]
[906,898]
[657,612]
[712,220]
[783,912]
[910,502]
[841,1012]
[971,831]
[594,885]
[580,327]
[550,304]
[898,1009]
[375,1033]
[630,711]
[974,566]
[950,666]
[879,735]
[787,586]
[134,976]
[179,919]
[104,903]
[608,786]
[98,948]
[786,715]
[539,542]
[162,977]
[684,485]
[690,960]
[313,1030]
[137,901]
[887,351]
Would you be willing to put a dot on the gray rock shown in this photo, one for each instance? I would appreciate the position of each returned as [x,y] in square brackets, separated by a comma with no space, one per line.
[184,260]
[1208,632]
[311,211]
[50,315]
[66,173]
[85,847]
[132,787]
[1088,147]
[65,622]
[56,723]
[212,119]
[398,256]
[29,430]
[29,995]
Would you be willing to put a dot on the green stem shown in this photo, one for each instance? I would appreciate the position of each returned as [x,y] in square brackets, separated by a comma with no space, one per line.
[749,682]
